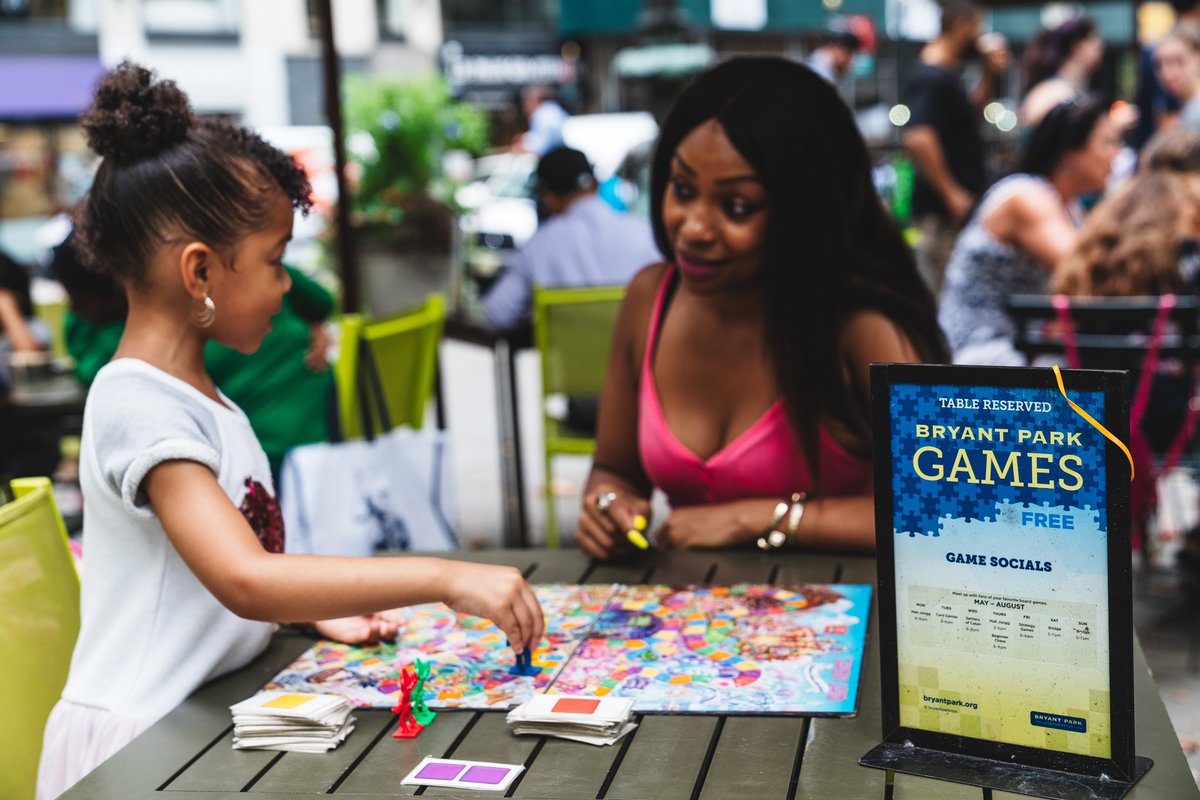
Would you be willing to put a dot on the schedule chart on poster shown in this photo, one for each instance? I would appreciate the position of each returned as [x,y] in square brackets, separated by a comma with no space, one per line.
[1001,625]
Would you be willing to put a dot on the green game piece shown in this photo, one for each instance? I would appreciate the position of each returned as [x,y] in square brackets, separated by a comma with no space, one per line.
[421,712]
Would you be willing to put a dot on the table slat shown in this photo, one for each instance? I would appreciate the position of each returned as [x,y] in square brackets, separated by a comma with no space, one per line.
[830,769]
[381,771]
[744,566]
[664,758]
[224,769]
[754,757]
[300,772]
[489,740]
[558,566]
[567,769]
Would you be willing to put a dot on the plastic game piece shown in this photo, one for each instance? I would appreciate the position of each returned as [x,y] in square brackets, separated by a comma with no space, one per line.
[407,726]
[421,712]
[524,665]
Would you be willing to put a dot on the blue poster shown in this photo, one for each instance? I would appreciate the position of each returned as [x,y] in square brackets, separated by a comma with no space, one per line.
[1001,567]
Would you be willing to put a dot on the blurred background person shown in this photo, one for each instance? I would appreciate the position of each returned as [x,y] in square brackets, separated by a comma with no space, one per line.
[20,332]
[1058,65]
[1177,61]
[943,134]
[285,387]
[1141,240]
[1024,226]
[545,118]
[1154,102]
[583,241]
[834,55]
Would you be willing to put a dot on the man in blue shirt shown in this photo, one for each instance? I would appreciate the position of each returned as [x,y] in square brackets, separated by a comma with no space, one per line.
[583,241]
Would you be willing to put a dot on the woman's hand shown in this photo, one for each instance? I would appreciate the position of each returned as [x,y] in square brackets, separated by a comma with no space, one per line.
[725,525]
[499,594]
[602,533]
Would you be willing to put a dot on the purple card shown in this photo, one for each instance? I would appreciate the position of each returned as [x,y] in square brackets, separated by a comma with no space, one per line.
[463,774]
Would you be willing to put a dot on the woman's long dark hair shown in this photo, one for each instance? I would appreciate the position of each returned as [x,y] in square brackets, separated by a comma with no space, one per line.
[830,248]
[1051,48]
[1065,128]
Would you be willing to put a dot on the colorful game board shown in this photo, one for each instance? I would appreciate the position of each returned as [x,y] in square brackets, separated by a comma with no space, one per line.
[469,657]
[745,649]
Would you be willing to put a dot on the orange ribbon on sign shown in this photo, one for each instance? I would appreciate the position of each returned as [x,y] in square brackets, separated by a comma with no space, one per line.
[1092,421]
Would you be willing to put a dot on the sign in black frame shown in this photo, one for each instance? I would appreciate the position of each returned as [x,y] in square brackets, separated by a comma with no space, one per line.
[1121,765]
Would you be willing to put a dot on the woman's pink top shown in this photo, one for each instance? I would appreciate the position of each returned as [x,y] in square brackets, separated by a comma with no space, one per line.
[764,461]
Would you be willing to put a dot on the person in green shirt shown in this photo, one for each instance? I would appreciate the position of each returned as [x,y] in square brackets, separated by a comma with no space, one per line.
[285,387]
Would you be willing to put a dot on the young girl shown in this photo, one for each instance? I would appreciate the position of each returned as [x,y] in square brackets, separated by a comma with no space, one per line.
[185,568]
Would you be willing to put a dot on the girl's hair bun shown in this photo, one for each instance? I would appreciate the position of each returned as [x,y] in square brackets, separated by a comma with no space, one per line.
[134,116]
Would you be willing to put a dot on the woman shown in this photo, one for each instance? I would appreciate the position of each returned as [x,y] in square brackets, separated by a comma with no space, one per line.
[1177,61]
[1140,241]
[1022,227]
[738,380]
[1058,64]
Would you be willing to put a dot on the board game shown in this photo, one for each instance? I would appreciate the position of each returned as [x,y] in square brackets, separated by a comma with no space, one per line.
[743,649]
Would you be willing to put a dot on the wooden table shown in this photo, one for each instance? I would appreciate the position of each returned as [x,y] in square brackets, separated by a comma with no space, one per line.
[189,755]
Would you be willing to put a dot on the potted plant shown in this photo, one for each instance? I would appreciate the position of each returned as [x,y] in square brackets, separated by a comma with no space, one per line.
[403,208]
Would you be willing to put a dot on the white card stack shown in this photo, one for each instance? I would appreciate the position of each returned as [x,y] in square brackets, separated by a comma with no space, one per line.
[301,723]
[593,720]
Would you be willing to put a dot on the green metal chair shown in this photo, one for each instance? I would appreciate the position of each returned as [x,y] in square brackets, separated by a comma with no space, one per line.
[572,329]
[404,351]
[55,317]
[39,622]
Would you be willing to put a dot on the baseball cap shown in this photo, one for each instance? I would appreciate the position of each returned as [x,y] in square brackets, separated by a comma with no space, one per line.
[565,170]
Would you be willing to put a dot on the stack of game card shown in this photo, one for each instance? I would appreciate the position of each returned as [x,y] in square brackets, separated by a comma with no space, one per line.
[593,720]
[302,723]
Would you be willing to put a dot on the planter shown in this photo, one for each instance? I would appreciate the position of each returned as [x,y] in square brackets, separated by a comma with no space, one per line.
[396,277]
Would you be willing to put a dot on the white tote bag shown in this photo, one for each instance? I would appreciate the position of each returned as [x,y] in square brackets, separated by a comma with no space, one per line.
[356,498]
[387,492]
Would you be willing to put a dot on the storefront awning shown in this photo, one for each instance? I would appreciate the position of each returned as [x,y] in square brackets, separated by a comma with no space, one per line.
[47,88]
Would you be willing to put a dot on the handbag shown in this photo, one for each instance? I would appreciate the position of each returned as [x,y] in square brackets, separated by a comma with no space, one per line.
[390,491]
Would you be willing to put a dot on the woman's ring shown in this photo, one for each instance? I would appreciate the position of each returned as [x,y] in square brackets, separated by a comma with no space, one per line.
[604,501]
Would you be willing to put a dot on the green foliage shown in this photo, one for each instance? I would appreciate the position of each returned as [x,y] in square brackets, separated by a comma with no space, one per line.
[398,132]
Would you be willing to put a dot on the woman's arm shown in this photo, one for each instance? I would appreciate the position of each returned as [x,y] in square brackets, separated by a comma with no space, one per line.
[218,545]
[616,466]
[14,325]
[1034,221]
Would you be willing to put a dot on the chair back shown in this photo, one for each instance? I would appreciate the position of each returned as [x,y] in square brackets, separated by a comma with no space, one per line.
[1109,332]
[39,622]
[55,316]
[403,351]
[573,331]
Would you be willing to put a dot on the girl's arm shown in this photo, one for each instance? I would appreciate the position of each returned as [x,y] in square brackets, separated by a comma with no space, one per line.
[829,523]
[616,466]
[219,546]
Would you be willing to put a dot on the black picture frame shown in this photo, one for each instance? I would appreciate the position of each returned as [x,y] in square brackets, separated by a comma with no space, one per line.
[1122,765]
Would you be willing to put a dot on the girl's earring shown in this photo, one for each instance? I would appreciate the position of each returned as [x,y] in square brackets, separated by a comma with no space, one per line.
[204,312]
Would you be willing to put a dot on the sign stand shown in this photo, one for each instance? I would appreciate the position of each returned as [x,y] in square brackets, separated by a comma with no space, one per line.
[1005,598]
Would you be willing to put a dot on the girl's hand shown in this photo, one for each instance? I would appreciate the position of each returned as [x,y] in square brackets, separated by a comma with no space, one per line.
[363,629]
[601,534]
[499,594]
[724,525]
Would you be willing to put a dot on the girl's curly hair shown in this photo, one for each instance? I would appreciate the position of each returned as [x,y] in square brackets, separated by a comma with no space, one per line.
[167,174]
